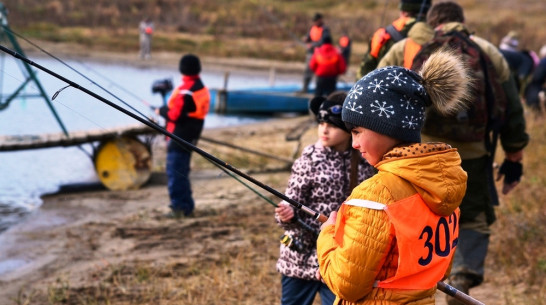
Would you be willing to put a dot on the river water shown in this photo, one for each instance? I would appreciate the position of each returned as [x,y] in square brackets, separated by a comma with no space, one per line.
[27,175]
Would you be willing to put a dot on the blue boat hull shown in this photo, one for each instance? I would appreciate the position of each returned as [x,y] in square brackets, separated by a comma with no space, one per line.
[286,99]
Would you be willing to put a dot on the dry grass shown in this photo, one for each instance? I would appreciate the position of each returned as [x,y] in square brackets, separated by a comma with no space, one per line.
[517,257]
[256,29]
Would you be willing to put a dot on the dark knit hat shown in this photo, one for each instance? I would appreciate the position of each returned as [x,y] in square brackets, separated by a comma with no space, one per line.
[189,65]
[414,6]
[327,39]
[328,109]
[317,16]
[389,101]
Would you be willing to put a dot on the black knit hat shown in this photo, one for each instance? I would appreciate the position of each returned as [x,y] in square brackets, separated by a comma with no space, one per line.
[328,109]
[189,65]
[389,101]
[317,16]
[414,6]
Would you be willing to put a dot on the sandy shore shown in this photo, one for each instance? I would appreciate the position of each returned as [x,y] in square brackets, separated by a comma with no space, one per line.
[72,233]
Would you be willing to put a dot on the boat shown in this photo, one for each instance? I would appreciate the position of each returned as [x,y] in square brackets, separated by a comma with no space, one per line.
[262,100]
[267,100]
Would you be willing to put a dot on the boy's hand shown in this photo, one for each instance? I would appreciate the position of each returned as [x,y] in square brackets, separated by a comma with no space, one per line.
[330,221]
[318,276]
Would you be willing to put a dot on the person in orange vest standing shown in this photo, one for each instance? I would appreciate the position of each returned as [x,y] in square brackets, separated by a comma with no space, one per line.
[395,236]
[145,29]
[344,44]
[185,114]
[403,52]
[327,63]
[410,12]
[312,40]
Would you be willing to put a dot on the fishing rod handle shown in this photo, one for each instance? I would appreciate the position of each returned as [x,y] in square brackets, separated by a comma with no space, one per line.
[318,216]
[457,294]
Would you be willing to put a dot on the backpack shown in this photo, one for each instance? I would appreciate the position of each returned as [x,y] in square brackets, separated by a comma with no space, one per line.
[488,101]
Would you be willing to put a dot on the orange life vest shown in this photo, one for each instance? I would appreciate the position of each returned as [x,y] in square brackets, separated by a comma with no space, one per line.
[426,241]
[315,33]
[411,48]
[201,98]
[380,37]
[344,41]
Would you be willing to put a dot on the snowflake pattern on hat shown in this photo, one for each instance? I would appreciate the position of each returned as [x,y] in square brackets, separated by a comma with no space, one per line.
[381,109]
[388,100]
[397,77]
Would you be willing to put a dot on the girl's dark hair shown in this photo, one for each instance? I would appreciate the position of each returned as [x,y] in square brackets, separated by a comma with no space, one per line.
[350,126]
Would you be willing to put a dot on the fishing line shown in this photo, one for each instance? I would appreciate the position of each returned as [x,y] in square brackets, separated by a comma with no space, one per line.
[115,84]
[104,89]
[32,86]
[78,72]
[174,137]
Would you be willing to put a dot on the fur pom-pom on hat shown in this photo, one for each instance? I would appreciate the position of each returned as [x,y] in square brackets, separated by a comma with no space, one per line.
[392,100]
[446,81]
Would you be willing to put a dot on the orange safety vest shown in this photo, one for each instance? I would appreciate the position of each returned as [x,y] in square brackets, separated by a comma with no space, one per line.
[315,33]
[201,98]
[426,241]
[380,37]
[411,48]
[344,41]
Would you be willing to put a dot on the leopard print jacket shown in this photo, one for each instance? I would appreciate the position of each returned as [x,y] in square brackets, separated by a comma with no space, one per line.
[320,181]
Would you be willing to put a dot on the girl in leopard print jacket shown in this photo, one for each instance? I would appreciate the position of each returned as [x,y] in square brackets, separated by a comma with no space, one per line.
[320,180]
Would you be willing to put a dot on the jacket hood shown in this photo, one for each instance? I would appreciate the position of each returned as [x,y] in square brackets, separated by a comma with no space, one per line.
[452,26]
[435,172]
[421,32]
[327,48]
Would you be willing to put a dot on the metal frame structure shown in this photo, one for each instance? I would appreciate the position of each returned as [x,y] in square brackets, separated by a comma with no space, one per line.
[6,35]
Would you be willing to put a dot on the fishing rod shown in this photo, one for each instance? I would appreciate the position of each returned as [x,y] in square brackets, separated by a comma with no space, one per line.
[460,296]
[177,139]
[83,75]
[116,85]
[303,224]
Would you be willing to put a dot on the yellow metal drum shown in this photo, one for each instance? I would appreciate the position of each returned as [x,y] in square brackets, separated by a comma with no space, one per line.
[123,163]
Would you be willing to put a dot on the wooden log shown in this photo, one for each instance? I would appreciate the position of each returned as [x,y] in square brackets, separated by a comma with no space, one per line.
[24,142]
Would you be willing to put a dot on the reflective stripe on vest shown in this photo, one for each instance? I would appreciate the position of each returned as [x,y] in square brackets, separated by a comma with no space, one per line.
[201,98]
[340,220]
[315,33]
[426,244]
[411,48]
